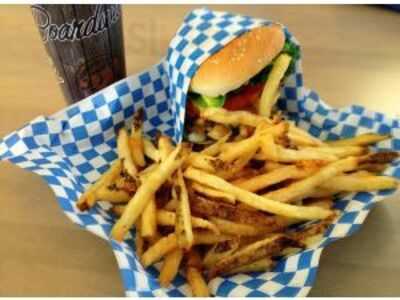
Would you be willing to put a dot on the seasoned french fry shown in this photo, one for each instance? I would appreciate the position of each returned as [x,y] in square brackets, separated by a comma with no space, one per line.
[204,190]
[150,150]
[165,147]
[210,238]
[229,170]
[197,283]
[301,189]
[170,267]
[261,265]
[124,152]
[89,197]
[355,183]
[360,140]
[183,224]
[137,148]
[268,96]
[256,201]
[145,193]
[265,180]
[167,218]
[117,196]
[237,214]
[159,249]
[269,246]
[149,219]
[223,116]
[232,228]
[219,251]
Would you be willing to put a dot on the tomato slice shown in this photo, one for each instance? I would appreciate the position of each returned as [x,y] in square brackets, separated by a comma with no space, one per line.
[191,109]
[245,98]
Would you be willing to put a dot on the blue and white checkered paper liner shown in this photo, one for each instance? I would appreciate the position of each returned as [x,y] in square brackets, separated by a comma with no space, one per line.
[73,147]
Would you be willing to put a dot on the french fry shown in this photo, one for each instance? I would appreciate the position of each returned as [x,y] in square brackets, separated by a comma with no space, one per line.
[360,140]
[301,137]
[215,149]
[124,152]
[256,201]
[218,132]
[338,151]
[272,165]
[321,192]
[171,205]
[206,191]
[229,170]
[145,193]
[219,251]
[356,183]
[167,218]
[268,96]
[113,196]
[197,284]
[290,155]
[302,188]
[150,150]
[165,147]
[261,265]
[137,148]
[149,219]
[232,228]
[159,249]
[170,267]
[268,246]
[235,118]
[183,224]
[201,161]
[325,202]
[234,213]
[139,242]
[265,180]
[145,173]
[209,238]
[235,150]
[269,148]
[89,197]
[118,209]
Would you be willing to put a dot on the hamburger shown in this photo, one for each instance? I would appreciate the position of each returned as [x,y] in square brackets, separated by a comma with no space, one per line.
[246,74]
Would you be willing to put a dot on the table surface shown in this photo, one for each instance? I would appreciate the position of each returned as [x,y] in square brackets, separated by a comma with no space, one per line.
[351,55]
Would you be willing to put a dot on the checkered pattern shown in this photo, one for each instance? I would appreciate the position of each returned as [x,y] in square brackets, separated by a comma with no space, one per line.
[73,147]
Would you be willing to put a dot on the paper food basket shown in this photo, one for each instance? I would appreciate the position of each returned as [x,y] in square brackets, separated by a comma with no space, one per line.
[71,148]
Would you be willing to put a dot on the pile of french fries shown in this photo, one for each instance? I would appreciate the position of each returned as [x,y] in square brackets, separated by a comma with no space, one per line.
[230,205]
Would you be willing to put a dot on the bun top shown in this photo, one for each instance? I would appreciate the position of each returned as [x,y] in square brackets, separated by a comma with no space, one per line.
[238,61]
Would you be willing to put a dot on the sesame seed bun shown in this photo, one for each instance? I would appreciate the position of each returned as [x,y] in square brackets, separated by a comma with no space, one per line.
[238,61]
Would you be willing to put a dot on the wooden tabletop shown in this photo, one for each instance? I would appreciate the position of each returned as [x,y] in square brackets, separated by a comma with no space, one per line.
[351,55]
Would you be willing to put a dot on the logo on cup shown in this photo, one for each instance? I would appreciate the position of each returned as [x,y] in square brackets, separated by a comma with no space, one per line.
[103,18]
